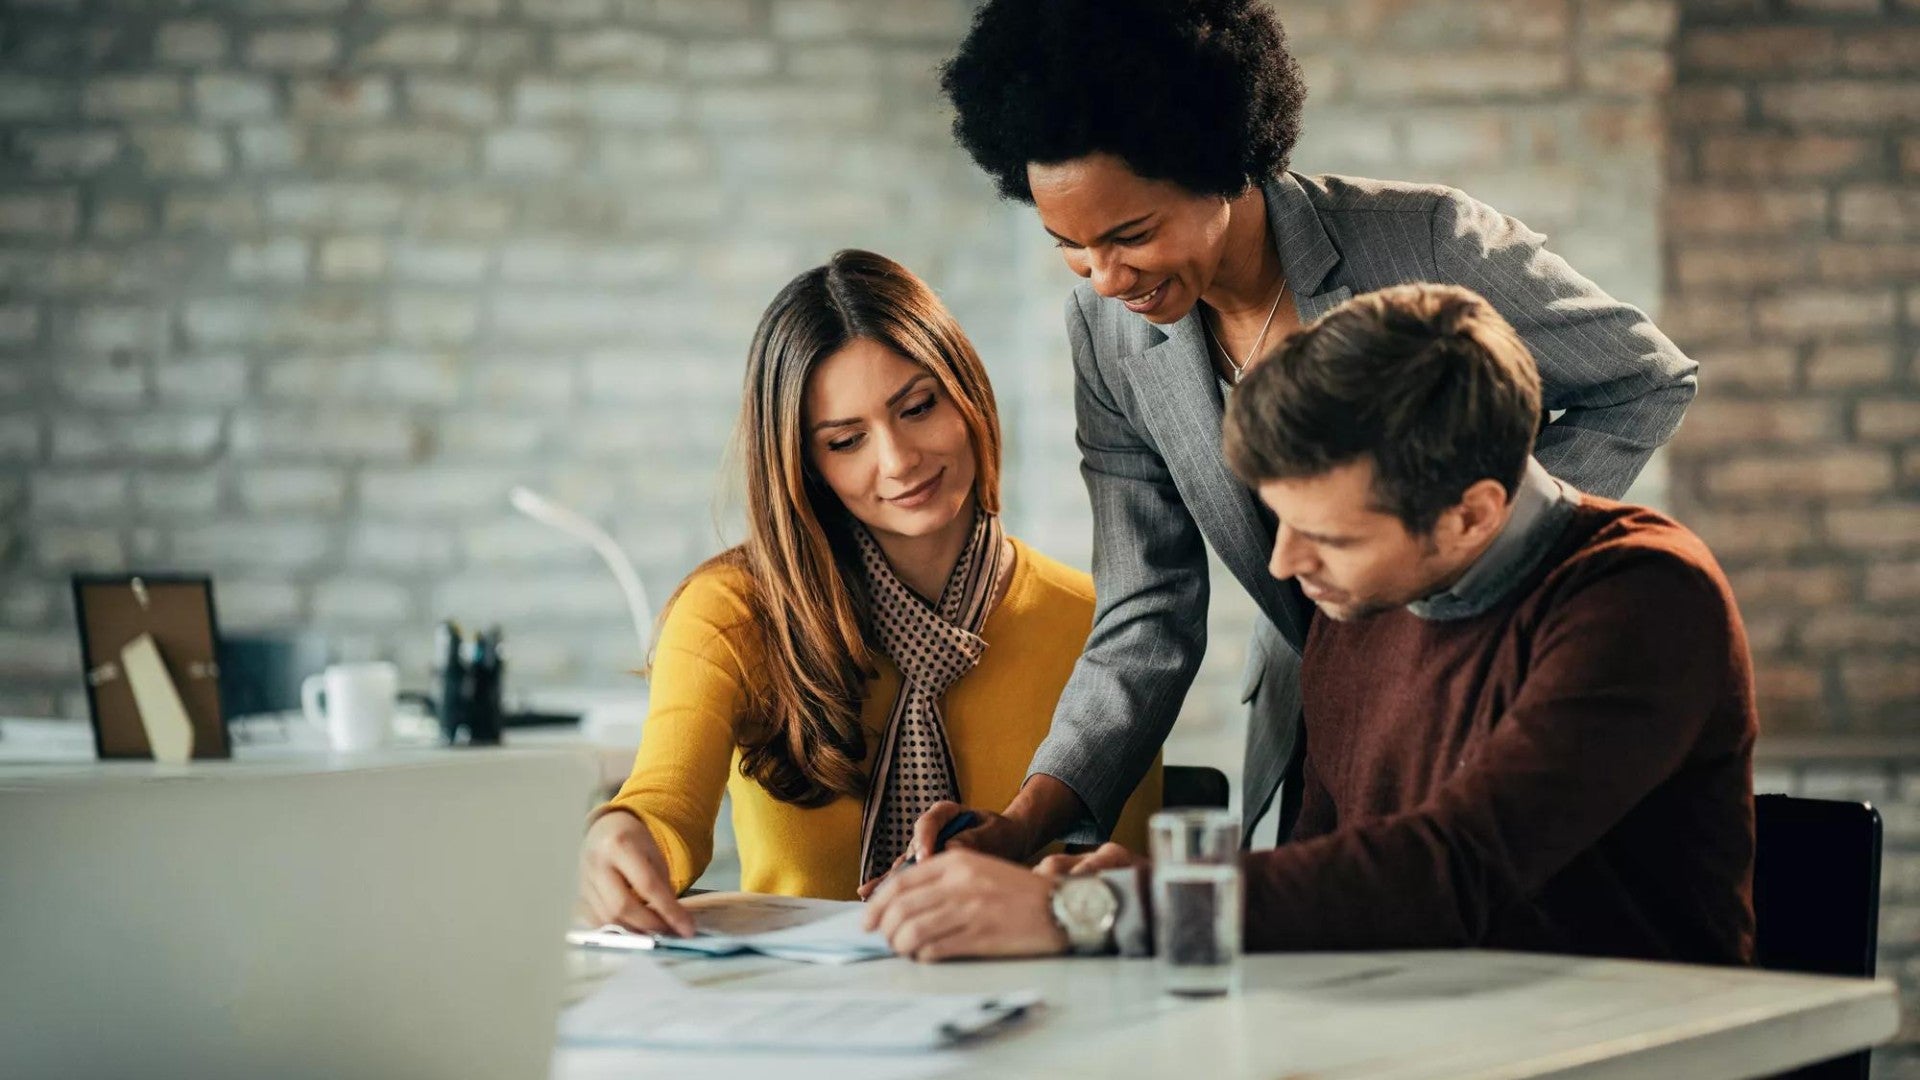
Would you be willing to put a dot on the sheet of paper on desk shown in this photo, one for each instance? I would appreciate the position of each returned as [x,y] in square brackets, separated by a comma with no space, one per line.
[637,1007]
[790,928]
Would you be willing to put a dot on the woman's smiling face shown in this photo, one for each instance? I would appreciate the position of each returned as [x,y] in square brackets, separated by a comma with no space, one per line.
[1150,244]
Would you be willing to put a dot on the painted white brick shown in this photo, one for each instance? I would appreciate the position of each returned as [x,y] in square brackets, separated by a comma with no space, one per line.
[611,49]
[226,213]
[541,99]
[569,11]
[528,381]
[307,47]
[532,599]
[204,380]
[502,50]
[69,496]
[463,101]
[122,219]
[462,215]
[705,16]
[553,316]
[25,602]
[416,45]
[336,205]
[719,60]
[281,260]
[534,152]
[489,437]
[226,96]
[97,381]
[817,19]
[547,262]
[102,329]
[349,601]
[663,376]
[427,321]
[62,153]
[783,107]
[19,437]
[352,258]
[256,604]
[441,263]
[149,436]
[389,545]
[27,98]
[181,151]
[252,545]
[519,542]
[19,324]
[78,547]
[1832,781]
[417,493]
[271,148]
[190,41]
[356,434]
[655,156]
[177,495]
[116,96]
[341,99]
[49,214]
[635,104]
[279,490]
[394,377]
[26,654]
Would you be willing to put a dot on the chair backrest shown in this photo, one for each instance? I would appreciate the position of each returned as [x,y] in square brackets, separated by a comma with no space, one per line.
[1816,884]
[1816,897]
[1193,785]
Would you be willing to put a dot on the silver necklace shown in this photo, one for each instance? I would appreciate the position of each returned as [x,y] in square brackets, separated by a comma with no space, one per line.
[1240,368]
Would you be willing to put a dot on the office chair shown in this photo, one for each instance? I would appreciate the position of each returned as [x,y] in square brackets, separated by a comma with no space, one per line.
[1193,785]
[1816,897]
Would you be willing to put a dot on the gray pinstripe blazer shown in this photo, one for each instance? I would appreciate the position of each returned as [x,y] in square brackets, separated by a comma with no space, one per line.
[1148,408]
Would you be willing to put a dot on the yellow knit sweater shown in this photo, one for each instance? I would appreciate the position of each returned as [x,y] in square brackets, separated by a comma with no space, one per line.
[996,716]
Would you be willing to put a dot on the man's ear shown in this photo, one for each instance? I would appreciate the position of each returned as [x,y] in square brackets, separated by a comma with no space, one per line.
[1481,512]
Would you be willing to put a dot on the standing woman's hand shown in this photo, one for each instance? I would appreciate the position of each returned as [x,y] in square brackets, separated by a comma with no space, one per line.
[624,879]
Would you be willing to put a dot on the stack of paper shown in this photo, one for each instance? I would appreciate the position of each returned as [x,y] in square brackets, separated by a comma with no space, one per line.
[789,928]
[644,1006]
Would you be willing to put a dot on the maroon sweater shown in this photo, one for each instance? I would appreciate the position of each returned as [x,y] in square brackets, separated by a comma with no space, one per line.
[1570,771]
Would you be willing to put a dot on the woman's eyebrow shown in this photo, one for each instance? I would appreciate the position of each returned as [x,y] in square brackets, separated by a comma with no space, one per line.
[1109,234]
[891,402]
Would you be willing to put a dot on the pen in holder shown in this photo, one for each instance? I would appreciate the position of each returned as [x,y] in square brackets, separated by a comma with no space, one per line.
[471,673]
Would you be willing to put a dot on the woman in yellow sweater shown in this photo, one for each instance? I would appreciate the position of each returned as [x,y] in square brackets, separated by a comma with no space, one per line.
[875,646]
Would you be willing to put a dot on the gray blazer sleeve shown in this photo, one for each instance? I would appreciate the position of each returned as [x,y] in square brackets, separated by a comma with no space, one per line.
[1624,386]
[1150,612]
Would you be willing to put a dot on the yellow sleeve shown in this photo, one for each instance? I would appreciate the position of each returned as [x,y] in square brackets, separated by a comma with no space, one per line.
[686,746]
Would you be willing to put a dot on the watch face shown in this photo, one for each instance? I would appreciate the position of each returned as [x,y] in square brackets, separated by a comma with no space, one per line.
[1087,902]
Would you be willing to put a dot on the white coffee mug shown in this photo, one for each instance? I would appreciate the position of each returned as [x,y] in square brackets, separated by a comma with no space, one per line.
[352,703]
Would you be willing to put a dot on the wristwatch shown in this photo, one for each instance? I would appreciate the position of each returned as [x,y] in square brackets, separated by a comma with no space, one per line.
[1085,908]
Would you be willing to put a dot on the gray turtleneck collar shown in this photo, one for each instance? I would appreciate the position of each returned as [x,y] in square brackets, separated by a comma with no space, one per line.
[1542,506]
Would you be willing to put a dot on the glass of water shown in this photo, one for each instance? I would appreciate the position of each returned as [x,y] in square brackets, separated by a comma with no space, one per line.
[1196,900]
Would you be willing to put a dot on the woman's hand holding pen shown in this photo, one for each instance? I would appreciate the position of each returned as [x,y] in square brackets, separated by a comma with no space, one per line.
[624,879]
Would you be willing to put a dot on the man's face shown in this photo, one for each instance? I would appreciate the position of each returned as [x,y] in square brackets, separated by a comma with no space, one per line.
[1351,558]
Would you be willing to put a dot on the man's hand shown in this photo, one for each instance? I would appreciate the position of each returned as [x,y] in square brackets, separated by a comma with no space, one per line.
[623,879]
[1108,856]
[962,903]
[995,835]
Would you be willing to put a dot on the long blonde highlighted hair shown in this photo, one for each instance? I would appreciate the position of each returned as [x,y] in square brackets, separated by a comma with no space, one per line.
[800,736]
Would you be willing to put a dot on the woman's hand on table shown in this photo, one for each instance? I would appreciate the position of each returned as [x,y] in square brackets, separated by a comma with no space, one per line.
[624,879]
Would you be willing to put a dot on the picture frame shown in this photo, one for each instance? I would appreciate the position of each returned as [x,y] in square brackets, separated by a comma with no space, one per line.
[176,610]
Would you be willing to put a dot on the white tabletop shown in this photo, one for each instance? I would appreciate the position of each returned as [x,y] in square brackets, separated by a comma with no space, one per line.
[1328,1015]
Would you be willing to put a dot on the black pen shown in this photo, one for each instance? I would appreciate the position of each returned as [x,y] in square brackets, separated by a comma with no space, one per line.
[966,820]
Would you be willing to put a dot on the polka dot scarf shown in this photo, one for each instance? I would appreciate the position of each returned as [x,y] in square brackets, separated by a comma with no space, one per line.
[933,646]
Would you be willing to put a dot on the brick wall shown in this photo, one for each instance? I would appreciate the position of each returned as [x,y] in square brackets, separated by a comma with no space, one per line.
[293,291]
[1793,275]
[1793,226]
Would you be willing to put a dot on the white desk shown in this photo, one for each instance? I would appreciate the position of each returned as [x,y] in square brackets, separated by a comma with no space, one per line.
[1326,1015]
[32,745]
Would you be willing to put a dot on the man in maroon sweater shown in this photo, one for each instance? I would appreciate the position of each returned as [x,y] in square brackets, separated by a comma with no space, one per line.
[1529,711]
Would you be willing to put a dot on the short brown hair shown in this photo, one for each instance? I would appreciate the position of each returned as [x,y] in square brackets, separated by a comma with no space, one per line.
[1427,380]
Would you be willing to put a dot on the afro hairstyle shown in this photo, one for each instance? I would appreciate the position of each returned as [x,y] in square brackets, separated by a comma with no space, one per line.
[1202,93]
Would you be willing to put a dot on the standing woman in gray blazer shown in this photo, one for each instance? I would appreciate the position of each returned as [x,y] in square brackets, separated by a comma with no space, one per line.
[1152,136]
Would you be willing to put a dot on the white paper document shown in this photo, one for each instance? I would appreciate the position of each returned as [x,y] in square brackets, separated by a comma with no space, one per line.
[637,1008]
[786,927]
